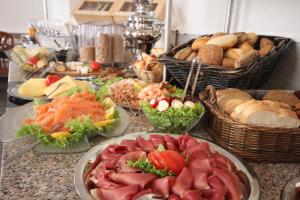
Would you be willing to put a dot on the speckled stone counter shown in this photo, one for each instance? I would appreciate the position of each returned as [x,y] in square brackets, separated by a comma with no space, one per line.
[50,176]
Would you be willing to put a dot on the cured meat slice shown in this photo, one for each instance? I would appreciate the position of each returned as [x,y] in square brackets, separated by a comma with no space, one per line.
[174,197]
[145,145]
[201,150]
[140,179]
[133,156]
[171,143]
[204,165]
[213,194]
[131,145]
[182,140]
[122,193]
[200,179]
[113,150]
[192,195]
[163,186]
[105,183]
[222,162]
[216,183]
[141,193]
[157,140]
[231,182]
[184,182]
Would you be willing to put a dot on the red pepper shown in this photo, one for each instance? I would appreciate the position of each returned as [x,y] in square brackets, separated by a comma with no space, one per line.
[167,160]
[33,60]
[52,79]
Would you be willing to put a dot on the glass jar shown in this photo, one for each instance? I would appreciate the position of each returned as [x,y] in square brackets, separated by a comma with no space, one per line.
[103,44]
[86,42]
[118,49]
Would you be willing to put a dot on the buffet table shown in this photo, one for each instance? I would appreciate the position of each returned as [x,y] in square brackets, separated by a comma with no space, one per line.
[50,176]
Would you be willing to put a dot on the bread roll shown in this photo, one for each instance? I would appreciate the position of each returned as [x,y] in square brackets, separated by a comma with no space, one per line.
[266,46]
[246,59]
[231,104]
[234,53]
[282,96]
[252,38]
[245,47]
[191,56]
[242,37]
[211,54]
[218,34]
[199,42]
[239,109]
[226,41]
[228,62]
[183,53]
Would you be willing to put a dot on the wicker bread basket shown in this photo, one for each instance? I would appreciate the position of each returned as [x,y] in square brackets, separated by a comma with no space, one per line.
[249,76]
[257,144]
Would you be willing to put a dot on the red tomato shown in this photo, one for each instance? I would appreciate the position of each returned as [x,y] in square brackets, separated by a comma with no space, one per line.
[95,66]
[33,60]
[167,160]
[52,79]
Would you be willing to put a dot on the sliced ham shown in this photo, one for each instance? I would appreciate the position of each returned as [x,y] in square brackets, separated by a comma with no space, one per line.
[171,143]
[204,165]
[231,182]
[145,145]
[215,183]
[192,195]
[157,140]
[122,193]
[111,164]
[140,179]
[184,182]
[141,193]
[202,147]
[163,186]
[200,179]
[212,194]
[131,145]
[191,142]
[105,183]
[132,156]
[174,197]
[113,151]
[182,140]
[222,162]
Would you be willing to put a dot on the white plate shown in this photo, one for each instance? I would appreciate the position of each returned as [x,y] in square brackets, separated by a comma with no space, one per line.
[14,92]
[91,155]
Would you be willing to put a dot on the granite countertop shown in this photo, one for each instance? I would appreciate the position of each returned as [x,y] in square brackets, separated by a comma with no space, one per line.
[50,176]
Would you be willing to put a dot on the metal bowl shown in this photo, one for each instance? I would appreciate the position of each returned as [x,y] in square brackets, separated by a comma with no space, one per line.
[91,155]
[289,189]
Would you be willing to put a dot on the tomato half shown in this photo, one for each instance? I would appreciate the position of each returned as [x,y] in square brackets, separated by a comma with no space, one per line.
[167,160]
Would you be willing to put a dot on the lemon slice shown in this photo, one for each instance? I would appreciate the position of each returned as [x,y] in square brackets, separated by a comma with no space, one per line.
[109,113]
[104,123]
[60,135]
[108,102]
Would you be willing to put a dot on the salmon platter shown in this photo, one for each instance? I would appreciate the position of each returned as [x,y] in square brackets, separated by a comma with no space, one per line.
[68,118]
[162,166]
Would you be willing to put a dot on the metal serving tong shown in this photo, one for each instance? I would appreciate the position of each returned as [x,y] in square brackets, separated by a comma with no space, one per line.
[194,62]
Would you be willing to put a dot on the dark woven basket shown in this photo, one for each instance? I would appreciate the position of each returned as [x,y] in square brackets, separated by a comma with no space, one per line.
[256,144]
[246,77]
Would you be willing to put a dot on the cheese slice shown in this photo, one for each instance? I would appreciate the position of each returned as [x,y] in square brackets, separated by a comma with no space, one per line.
[34,87]
[54,89]
[84,85]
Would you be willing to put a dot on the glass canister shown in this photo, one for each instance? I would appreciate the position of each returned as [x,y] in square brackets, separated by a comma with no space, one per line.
[103,44]
[118,48]
[86,42]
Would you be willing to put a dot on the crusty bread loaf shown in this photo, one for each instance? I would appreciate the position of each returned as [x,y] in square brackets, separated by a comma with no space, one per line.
[182,54]
[245,47]
[191,56]
[225,41]
[231,104]
[199,42]
[281,96]
[218,34]
[266,46]
[246,59]
[228,62]
[231,93]
[263,115]
[211,54]
[239,109]
[252,38]
[234,53]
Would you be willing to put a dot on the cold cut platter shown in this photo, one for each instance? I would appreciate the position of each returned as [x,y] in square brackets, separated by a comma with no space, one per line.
[167,166]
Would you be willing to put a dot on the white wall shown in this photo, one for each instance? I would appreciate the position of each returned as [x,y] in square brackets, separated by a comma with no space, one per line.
[15,14]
